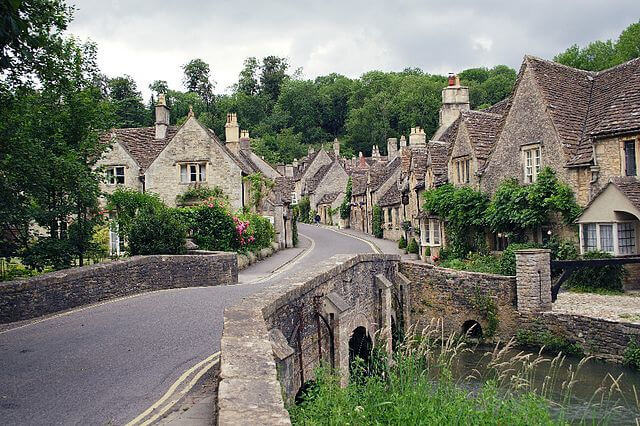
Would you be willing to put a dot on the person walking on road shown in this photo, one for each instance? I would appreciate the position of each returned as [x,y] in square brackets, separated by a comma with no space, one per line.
[317,219]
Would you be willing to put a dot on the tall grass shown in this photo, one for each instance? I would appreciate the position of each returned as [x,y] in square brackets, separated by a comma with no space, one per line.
[420,385]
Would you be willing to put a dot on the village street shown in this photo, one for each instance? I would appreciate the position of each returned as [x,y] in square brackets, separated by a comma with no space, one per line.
[108,363]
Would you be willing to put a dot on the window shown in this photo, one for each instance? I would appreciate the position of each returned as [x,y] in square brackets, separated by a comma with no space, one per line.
[436,232]
[531,164]
[115,175]
[627,238]
[630,158]
[606,237]
[294,198]
[462,168]
[589,237]
[427,231]
[193,172]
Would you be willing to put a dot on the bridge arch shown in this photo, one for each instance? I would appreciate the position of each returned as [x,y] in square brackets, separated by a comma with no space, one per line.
[472,328]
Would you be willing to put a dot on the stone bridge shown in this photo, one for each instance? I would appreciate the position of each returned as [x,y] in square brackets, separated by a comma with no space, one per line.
[274,340]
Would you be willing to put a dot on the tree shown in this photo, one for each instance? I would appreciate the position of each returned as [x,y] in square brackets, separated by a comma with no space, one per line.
[628,45]
[248,78]
[281,148]
[272,74]
[127,102]
[197,79]
[159,87]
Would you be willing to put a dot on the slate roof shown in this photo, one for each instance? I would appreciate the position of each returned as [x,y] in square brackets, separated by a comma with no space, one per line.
[483,128]
[141,142]
[329,198]
[450,134]
[438,158]
[282,189]
[419,156]
[499,107]
[390,198]
[382,171]
[586,104]
[358,183]
[313,182]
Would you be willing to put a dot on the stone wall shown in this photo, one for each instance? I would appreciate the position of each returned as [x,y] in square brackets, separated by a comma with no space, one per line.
[281,333]
[69,288]
[453,297]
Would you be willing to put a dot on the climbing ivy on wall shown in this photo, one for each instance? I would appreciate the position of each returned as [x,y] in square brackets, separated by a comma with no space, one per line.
[488,308]
[345,207]
[377,221]
[260,186]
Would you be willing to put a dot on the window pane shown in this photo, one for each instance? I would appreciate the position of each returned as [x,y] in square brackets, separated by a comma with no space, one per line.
[630,157]
[193,173]
[120,175]
[436,232]
[110,177]
[627,238]
[427,232]
[203,172]
[606,238]
[466,166]
[589,236]
[183,173]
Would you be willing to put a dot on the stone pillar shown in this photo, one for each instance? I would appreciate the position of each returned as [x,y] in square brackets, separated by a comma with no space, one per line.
[384,288]
[533,280]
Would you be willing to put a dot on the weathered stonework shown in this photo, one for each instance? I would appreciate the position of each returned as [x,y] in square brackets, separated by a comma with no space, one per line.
[66,289]
[533,280]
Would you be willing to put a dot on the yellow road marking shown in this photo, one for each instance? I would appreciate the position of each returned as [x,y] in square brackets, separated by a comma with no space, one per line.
[175,385]
[181,394]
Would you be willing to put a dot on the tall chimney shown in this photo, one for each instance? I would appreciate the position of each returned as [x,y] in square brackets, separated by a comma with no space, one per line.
[295,163]
[455,98]
[162,117]
[288,170]
[245,141]
[417,137]
[232,132]
[392,149]
[403,142]
[336,147]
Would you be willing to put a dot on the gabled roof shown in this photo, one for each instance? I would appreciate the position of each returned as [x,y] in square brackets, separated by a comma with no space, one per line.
[140,142]
[390,198]
[584,105]
[282,189]
[358,183]
[499,107]
[437,160]
[630,187]
[419,162]
[329,198]
[380,172]
[244,167]
[313,182]
[483,130]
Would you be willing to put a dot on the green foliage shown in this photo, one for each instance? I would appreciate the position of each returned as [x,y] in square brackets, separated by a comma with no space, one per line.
[127,203]
[516,208]
[600,55]
[260,233]
[412,247]
[632,354]
[127,103]
[303,210]
[402,243]
[463,210]
[601,279]
[476,262]
[562,249]
[200,193]
[158,231]
[427,251]
[260,185]
[212,226]
[294,229]
[553,344]
[197,79]
[488,86]
[12,269]
[377,222]
[280,148]
[489,310]
[345,207]
[507,264]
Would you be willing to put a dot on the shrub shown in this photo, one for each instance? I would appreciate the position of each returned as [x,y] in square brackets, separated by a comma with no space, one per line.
[377,222]
[127,203]
[402,243]
[562,249]
[200,193]
[601,279]
[507,264]
[412,247]
[212,226]
[427,251]
[157,232]
[258,235]
[294,229]
[303,210]
[487,264]
[552,344]
[345,207]
[632,354]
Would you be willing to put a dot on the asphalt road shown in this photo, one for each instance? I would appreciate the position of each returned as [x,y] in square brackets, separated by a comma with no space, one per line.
[108,363]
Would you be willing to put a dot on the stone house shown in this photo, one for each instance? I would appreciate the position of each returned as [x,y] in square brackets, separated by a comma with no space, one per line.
[168,160]
[359,218]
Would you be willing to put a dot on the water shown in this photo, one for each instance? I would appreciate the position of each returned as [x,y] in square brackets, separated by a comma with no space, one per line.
[603,392]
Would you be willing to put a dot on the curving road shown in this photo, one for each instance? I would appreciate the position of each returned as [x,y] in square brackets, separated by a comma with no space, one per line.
[107,363]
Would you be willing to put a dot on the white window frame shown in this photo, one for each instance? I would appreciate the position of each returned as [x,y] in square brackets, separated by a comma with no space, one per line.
[112,175]
[615,232]
[431,232]
[531,162]
[462,170]
[190,173]
[294,198]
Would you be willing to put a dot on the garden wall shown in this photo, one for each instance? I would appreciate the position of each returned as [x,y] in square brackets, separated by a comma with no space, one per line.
[69,288]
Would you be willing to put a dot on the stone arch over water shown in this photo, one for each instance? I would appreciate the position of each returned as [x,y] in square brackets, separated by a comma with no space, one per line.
[472,328]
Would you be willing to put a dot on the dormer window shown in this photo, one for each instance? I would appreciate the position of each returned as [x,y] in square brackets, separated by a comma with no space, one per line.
[193,172]
[461,168]
[115,175]
[531,163]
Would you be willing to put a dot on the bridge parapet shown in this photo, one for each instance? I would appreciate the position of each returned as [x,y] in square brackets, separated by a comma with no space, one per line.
[533,280]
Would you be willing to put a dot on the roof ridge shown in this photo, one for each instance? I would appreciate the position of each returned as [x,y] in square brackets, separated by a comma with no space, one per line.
[624,64]
[559,65]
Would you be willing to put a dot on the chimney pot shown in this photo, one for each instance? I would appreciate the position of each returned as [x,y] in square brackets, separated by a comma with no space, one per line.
[162,117]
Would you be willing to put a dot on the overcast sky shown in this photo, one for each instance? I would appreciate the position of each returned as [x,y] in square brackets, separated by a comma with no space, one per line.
[151,39]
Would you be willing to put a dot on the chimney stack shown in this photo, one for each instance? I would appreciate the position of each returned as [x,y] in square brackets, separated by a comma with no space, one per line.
[288,170]
[295,163]
[417,137]
[232,132]
[375,153]
[455,98]
[336,147]
[311,150]
[162,117]
[245,141]
[392,149]
[403,142]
